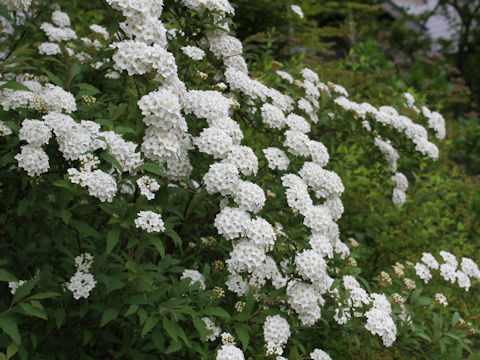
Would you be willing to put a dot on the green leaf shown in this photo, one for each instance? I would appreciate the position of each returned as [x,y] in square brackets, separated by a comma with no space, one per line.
[455,318]
[243,335]
[111,160]
[54,78]
[111,283]
[152,167]
[25,289]
[201,328]
[173,235]
[88,89]
[63,183]
[32,311]
[159,245]
[75,70]
[10,328]
[12,349]
[132,309]
[44,295]
[423,301]
[174,346]
[59,315]
[151,322]
[15,86]
[85,229]
[6,276]
[65,215]
[216,311]
[112,239]
[168,326]
[108,315]
[23,206]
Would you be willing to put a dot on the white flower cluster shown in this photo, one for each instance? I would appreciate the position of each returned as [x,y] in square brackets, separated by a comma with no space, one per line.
[210,325]
[318,354]
[379,319]
[448,270]
[222,7]
[193,52]
[131,8]
[168,142]
[423,272]
[149,221]
[277,159]
[276,333]
[33,159]
[435,122]
[49,48]
[14,285]
[17,5]
[194,277]
[230,352]
[441,299]
[388,116]
[148,186]
[305,300]
[82,282]
[297,10]
[123,151]
[4,129]
[399,192]
[88,162]
[98,29]
[139,58]
[43,98]
[99,184]
[357,299]
[285,76]
[60,32]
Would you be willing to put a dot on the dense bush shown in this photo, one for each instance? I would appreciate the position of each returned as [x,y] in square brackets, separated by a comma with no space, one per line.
[160,202]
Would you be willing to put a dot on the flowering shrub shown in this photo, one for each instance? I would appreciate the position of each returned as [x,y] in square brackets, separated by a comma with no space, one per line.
[193,203]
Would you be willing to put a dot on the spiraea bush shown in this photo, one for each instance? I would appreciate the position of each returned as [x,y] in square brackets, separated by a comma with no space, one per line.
[161,201]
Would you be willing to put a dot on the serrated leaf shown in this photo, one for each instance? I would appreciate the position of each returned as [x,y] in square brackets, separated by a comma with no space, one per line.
[10,328]
[15,86]
[112,239]
[108,315]
[6,276]
[151,322]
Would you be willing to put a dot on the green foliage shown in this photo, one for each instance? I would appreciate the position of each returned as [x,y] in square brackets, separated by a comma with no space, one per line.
[141,308]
